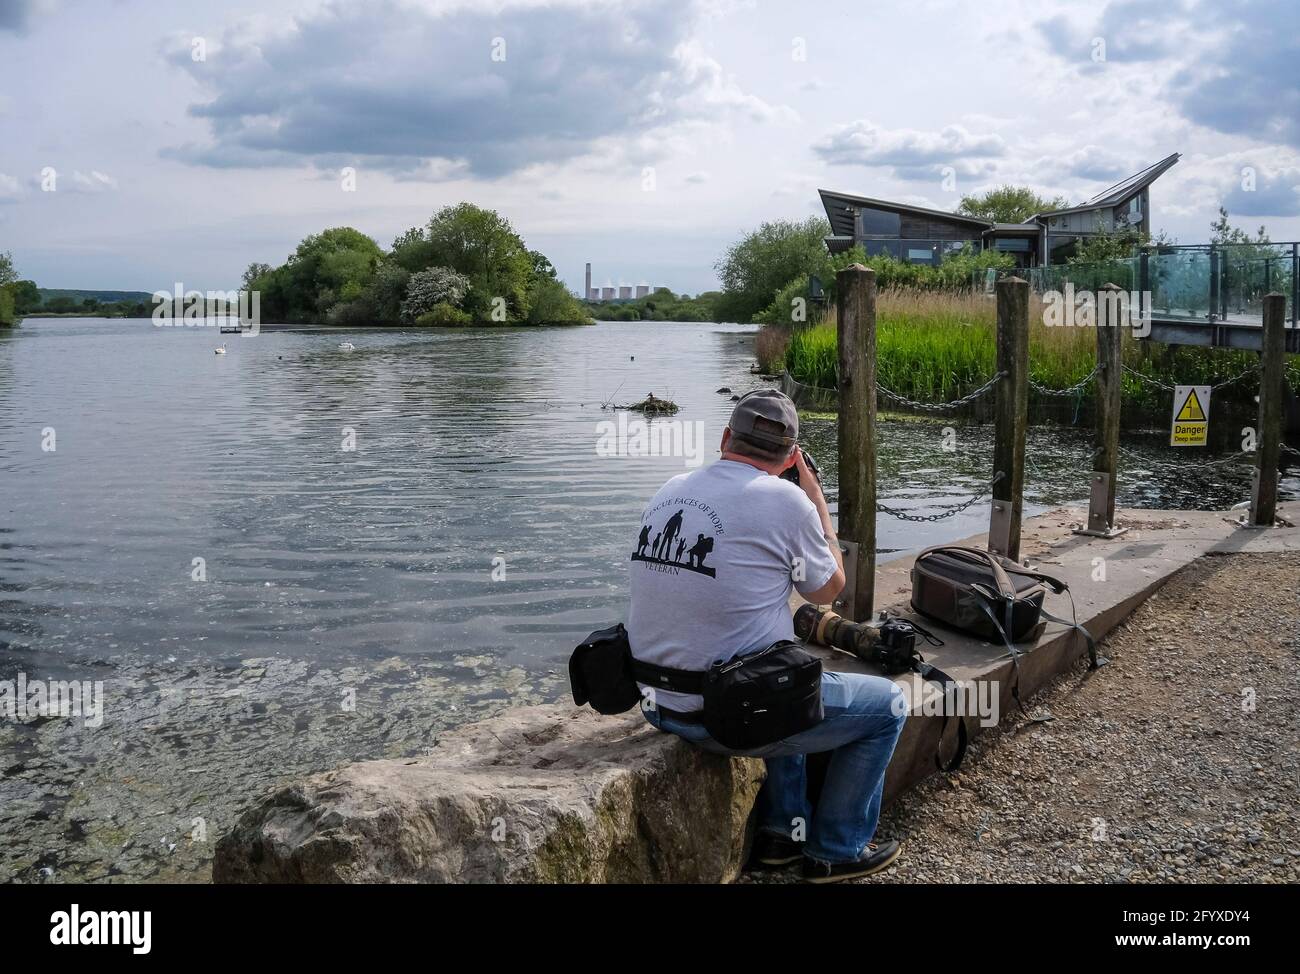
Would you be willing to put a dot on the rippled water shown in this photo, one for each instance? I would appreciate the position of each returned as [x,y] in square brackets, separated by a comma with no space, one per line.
[471,446]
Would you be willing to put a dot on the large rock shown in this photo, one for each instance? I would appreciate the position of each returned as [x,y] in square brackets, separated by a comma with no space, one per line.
[538,794]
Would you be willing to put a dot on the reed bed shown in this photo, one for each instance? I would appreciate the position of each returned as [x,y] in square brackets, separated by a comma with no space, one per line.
[937,346]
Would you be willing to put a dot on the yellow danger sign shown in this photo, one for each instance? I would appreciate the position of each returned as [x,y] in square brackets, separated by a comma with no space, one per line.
[1191,408]
[1191,421]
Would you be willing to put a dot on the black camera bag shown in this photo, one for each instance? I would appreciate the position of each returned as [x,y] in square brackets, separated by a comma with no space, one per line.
[993,597]
[755,700]
[956,585]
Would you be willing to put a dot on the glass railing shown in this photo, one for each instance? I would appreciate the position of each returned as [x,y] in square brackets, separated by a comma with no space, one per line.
[1179,283]
[1206,283]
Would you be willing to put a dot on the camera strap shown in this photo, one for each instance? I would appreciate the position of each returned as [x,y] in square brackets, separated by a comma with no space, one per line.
[950,688]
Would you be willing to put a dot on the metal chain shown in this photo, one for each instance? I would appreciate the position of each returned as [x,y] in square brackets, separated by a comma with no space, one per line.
[1163,465]
[1076,388]
[938,407]
[1147,378]
[1250,370]
[945,511]
[1168,388]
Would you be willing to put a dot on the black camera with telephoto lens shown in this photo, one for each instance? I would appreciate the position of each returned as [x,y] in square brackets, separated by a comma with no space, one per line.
[890,646]
[792,474]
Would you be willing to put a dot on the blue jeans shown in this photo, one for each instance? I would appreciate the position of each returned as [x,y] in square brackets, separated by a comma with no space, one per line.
[864,716]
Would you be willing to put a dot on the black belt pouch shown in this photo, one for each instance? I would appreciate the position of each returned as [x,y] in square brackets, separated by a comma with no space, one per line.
[762,698]
[600,672]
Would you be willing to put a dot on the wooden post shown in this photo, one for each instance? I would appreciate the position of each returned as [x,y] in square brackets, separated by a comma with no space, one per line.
[1295,285]
[1110,375]
[855,306]
[1010,416]
[1269,437]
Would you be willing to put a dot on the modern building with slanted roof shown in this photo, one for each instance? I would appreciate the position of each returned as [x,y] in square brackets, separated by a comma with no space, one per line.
[923,236]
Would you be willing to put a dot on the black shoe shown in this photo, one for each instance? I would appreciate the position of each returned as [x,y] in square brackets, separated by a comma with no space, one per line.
[772,850]
[877,858]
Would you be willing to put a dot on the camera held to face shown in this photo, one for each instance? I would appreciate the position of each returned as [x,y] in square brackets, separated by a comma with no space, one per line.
[792,474]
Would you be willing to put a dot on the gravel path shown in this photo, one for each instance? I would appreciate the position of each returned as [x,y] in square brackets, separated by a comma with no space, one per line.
[1156,768]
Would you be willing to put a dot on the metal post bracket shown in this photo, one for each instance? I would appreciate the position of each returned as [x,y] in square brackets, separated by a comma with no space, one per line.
[1000,527]
[1098,494]
[846,603]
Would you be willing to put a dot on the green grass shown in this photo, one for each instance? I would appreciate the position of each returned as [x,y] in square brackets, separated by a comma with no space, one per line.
[938,347]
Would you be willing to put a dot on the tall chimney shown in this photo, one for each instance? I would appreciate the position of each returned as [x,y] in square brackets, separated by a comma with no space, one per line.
[587,292]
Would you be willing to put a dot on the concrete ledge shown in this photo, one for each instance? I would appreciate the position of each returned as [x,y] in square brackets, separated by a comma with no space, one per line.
[1109,580]
[537,794]
[556,794]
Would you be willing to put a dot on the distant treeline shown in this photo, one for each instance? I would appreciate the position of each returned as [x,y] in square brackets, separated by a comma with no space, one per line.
[31,300]
[659,306]
[466,266]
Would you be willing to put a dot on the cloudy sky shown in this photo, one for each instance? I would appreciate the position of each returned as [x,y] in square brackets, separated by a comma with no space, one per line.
[186,139]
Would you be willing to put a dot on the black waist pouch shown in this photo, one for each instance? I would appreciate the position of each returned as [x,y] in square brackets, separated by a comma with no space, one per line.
[600,672]
[759,699]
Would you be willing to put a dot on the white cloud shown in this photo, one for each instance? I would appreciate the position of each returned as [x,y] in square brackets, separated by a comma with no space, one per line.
[489,91]
[862,143]
[92,182]
[10,190]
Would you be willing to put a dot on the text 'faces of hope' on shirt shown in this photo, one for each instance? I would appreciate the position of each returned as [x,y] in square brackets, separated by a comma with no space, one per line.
[715,557]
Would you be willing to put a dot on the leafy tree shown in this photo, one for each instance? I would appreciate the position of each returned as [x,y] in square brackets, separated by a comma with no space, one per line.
[1222,232]
[7,273]
[542,266]
[1107,246]
[253,273]
[483,246]
[549,303]
[763,261]
[437,285]
[464,256]
[1009,204]
[320,267]
[388,290]
[358,312]
[444,314]
[412,250]
[27,296]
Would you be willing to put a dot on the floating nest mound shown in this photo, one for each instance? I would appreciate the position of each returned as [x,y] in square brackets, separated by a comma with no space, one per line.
[651,405]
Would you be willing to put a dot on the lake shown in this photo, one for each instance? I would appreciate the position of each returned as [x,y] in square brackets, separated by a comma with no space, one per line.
[473,513]
[260,601]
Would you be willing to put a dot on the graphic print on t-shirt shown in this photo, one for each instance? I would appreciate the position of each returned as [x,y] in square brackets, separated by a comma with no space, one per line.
[671,546]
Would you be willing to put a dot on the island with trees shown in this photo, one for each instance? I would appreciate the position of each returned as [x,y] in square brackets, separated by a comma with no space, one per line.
[466,266]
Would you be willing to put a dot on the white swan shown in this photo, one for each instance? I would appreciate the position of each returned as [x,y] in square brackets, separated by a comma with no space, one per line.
[220,351]
[346,346]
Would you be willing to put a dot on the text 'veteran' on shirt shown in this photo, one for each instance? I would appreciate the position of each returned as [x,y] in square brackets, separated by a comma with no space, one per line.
[712,566]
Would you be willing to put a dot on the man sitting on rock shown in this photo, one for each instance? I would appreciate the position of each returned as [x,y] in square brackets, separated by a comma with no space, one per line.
[768,535]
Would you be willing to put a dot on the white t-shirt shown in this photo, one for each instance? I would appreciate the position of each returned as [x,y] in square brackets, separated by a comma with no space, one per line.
[716,554]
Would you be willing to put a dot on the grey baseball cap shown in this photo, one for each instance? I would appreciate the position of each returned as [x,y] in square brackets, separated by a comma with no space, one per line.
[767,418]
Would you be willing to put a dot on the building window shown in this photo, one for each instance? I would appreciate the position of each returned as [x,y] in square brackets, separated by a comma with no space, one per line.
[1013,244]
[890,248]
[879,223]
